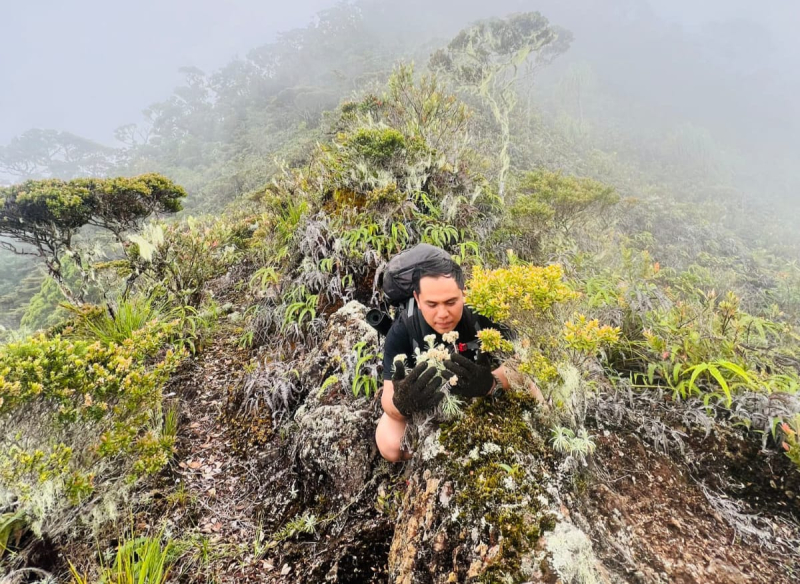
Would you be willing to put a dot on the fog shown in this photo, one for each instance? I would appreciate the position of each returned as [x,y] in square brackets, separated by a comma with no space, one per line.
[88,66]
[727,66]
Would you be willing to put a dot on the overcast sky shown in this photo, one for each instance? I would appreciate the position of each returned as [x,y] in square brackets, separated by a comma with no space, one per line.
[89,66]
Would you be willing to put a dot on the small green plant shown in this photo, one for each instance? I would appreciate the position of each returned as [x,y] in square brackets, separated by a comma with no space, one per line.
[141,560]
[329,381]
[568,442]
[130,316]
[263,278]
[246,339]
[452,407]
[363,383]
[300,524]
[301,307]
[11,526]
[686,381]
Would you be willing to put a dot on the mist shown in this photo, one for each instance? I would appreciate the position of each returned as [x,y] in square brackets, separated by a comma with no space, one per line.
[88,66]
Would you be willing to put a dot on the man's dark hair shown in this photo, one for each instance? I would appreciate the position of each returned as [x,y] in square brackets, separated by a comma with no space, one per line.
[443,268]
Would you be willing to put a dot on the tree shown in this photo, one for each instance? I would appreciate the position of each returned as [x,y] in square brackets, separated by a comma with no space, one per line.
[49,153]
[485,59]
[44,217]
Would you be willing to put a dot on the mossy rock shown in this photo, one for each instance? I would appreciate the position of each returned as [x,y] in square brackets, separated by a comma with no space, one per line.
[476,507]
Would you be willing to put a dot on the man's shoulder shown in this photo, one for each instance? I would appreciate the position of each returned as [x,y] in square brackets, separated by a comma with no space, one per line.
[397,342]
[398,335]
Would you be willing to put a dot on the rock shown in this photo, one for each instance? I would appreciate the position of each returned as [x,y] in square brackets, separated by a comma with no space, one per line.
[336,442]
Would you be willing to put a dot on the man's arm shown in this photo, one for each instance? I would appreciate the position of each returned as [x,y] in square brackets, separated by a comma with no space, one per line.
[387,402]
[500,373]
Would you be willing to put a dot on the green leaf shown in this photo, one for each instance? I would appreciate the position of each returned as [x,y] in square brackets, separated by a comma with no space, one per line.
[722,383]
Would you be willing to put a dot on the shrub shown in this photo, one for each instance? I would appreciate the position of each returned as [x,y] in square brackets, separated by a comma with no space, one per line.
[76,413]
[377,146]
[181,258]
[517,293]
[569,198]
[587,336]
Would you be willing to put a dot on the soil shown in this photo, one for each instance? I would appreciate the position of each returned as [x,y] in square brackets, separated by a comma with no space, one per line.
[650,521]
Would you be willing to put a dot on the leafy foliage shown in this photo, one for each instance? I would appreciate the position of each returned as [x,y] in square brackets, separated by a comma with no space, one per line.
[71,409]
[517,292]
[137,560]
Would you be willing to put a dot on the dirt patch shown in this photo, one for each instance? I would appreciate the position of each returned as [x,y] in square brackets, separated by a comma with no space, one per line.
[651,521]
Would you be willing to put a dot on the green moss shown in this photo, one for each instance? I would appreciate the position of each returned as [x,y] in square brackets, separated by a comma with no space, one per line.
[489,453]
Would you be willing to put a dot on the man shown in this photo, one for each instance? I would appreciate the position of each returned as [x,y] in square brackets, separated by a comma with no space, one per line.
[438,305]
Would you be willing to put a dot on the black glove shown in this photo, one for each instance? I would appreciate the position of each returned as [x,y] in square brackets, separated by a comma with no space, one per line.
[475,379]
[417,392]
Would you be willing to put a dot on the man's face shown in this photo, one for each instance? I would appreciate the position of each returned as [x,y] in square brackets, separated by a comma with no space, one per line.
[441,302]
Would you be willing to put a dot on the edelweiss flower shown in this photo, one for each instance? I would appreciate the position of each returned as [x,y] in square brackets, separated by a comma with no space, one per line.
[450,337]
[453,380]
[429,340]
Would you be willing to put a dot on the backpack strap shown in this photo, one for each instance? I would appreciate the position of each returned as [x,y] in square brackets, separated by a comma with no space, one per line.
[410,317]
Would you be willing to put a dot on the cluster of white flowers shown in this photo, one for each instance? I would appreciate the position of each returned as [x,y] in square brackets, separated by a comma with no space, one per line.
[436,355]
[450,337]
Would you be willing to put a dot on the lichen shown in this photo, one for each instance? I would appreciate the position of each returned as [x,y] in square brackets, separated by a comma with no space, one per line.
[571,554]
[492,454]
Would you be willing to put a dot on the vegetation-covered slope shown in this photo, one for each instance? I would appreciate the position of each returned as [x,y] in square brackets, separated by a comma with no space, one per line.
[215,415]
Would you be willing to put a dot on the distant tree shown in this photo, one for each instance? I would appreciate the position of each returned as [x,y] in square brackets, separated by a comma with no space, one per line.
[53,154]
[485,60]
[42,218]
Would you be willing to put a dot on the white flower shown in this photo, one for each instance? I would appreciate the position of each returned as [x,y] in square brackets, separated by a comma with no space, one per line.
[453,380]
[429,340]
[450,337]
[399,357]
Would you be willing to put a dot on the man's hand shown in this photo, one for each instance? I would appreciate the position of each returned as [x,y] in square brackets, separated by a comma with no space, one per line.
[416,392]
[475,379]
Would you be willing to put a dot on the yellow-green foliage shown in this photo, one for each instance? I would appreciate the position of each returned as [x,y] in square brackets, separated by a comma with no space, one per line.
[587,336]
[376,145]
[493,342]
[76,403]
[568,198]
[535,364]
[510,294]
